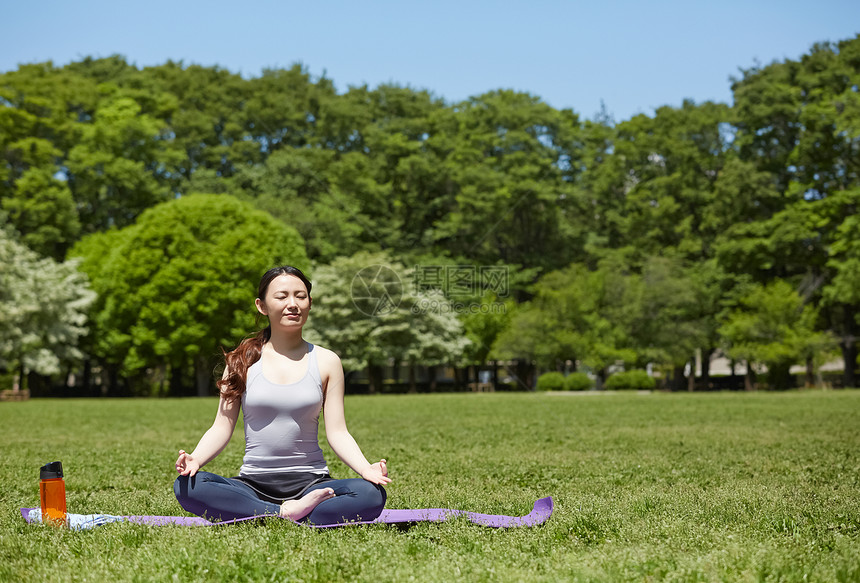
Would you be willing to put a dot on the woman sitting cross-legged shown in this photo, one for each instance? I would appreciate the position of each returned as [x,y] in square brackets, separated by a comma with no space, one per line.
[282,383]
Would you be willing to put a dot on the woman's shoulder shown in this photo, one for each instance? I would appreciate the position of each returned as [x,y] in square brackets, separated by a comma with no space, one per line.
[323,352]
[325,357]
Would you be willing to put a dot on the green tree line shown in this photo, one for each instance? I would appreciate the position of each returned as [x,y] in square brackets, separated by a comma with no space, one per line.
[704,227]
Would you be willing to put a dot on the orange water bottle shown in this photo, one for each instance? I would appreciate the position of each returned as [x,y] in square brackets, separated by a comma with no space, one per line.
[52,493]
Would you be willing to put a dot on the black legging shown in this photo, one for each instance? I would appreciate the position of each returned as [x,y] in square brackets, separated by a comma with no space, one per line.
[217,498]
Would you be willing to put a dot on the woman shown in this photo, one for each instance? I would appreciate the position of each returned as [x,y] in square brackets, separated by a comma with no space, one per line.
[282,383]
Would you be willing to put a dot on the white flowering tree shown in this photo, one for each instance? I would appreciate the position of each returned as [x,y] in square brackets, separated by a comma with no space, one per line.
[367,310]
[43,307]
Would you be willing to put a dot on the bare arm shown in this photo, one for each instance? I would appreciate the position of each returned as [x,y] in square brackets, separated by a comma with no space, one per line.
[213,441]
[339,438]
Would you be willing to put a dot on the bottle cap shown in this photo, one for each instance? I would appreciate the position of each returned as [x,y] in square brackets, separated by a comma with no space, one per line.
[51,470]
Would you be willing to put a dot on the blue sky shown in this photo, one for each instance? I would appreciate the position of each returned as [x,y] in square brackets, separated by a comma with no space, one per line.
[632,56]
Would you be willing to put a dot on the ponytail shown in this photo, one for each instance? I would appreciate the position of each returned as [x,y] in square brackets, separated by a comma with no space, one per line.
[238,361]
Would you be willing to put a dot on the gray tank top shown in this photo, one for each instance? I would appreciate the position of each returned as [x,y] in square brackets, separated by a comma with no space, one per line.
[282,422]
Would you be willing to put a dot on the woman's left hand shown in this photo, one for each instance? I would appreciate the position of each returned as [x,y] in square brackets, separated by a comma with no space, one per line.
[377,473]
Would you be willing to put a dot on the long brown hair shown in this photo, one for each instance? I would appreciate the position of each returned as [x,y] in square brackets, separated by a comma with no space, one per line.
[240,359]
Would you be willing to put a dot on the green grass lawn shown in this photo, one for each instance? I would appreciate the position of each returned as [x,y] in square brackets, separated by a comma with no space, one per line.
[668,487]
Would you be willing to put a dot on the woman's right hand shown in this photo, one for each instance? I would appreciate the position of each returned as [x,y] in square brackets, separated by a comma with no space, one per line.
[185,464]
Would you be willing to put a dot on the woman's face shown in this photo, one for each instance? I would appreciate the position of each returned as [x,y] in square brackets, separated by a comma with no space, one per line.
[287,302]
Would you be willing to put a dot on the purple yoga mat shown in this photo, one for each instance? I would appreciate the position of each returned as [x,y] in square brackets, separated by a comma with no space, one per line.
[541,511]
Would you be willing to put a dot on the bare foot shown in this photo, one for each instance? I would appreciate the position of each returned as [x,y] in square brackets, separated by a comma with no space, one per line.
[298,509]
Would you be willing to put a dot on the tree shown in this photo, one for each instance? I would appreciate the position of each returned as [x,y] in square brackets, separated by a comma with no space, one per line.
[843,291]
[577,314]
[798,121]
[40,206]
[676,306]
[111,169]
[718,194]
[43,310]
[302,187]
[178,285]
[509,160]
[599,197]
[772,327]
[39,111]
[658,192]
[367,310]
[482,299]
[672,164]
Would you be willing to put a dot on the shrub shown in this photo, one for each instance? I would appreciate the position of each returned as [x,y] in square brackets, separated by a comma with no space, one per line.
[577,381]
[550,381]
[631,379]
